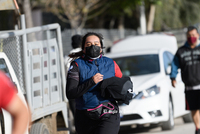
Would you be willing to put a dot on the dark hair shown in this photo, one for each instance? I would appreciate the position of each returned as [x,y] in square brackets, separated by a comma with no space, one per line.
[190,28]
[76,41]
[78,54]
[100,36]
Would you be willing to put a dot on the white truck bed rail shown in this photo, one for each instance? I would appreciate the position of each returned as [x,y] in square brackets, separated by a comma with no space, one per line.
[36,55]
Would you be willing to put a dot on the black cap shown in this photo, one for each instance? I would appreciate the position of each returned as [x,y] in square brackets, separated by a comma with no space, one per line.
[76,41]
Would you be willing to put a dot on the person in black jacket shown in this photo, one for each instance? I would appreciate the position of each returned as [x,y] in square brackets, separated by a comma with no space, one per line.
[94,114]
[76,44]
[187,58]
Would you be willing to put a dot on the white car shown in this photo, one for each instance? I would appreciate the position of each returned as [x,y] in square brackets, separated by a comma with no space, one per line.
[147,60]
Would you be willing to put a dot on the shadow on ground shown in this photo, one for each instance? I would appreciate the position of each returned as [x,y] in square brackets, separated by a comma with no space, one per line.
[138,129]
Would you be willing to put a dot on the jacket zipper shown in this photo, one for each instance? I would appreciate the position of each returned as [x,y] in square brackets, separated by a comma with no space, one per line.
[97,65]
[192,61]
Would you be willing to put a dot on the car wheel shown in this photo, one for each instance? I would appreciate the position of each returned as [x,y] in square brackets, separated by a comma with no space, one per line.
[169,124]
[187,118]
[39,128]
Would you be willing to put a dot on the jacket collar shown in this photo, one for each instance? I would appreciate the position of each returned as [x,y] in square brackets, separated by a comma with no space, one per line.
[85,57]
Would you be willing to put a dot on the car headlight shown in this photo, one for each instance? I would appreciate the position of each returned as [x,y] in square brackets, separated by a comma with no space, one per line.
[148,93]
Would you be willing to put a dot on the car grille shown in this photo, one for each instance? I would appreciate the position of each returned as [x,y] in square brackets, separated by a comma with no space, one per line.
[131,117]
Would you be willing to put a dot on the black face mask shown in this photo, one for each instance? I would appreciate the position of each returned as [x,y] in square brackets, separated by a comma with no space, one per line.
[93,51]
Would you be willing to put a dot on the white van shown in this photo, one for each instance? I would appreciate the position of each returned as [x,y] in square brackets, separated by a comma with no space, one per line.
[147,60]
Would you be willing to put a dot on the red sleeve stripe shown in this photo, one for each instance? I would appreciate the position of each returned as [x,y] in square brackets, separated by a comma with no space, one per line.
[118,72]
[76,64]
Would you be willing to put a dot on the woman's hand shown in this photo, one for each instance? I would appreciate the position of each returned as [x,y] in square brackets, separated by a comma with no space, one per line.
[97,78]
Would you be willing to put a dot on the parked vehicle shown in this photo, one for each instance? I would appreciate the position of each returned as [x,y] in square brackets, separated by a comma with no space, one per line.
[33,59]
[5,117]
[147,60]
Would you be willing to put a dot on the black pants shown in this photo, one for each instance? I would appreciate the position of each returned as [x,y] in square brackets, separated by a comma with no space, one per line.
[192,99]
[84,125]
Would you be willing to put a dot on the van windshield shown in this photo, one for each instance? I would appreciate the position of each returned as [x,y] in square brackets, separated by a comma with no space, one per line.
[138,64]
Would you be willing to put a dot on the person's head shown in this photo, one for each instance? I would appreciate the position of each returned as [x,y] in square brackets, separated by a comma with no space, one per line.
[76,41]
[92,44]
[192,35]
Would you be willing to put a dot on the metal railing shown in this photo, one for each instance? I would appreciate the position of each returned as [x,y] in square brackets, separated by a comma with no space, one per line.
[14,45]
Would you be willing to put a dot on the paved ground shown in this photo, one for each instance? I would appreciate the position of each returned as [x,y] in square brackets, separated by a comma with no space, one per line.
[180,128]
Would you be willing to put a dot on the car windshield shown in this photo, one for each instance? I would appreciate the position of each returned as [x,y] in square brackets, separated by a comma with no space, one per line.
[139,64]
